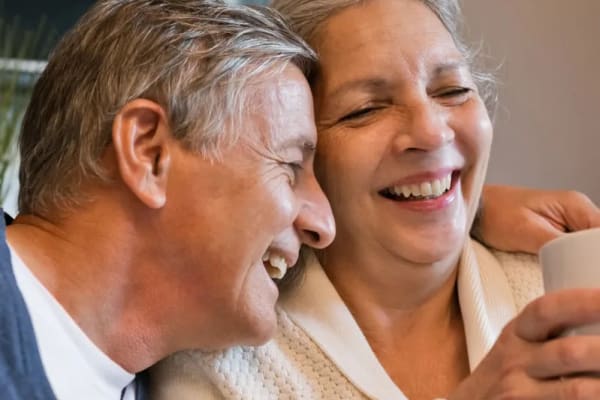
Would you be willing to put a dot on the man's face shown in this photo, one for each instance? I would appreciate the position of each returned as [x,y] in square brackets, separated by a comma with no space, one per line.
[232,222]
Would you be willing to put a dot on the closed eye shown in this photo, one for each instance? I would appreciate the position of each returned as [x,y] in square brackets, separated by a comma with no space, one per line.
[363,112]
[454,92]
[454,96]
[295,166]
[295,169]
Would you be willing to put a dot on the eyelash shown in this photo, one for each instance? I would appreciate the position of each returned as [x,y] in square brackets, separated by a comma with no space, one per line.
[363,112]
[458,91]
[295,167]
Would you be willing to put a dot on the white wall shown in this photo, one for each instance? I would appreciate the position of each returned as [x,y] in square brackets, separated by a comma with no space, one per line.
[548,126]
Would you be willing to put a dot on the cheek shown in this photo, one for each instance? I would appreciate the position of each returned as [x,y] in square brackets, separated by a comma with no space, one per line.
[475,143]
[483,137]
[278,206]
[476,133]
[344,162]
[337,173]
[473,138]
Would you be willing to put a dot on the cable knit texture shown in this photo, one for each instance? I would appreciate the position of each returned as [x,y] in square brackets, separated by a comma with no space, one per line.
[289,367]
[523,274]
[306,361]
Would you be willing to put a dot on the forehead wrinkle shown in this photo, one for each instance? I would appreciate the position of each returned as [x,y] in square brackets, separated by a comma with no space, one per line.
[268,116]
[335,34]
[337,84]
[297,138]
[363,78]
[385,84]
[364,85]
[264,110]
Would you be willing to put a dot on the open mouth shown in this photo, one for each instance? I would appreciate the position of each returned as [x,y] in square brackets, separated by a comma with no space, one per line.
[426,190]
[275,265]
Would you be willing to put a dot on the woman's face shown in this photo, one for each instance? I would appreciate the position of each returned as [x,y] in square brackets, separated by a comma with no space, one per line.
[404,136]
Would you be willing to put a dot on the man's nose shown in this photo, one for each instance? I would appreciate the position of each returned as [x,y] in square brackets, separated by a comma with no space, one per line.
[315,223]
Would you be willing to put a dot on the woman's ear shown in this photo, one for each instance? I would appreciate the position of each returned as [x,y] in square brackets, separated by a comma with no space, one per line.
[141,136]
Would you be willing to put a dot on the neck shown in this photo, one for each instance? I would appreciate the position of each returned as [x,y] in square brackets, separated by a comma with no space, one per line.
[424,299]
[411,318]
[386,281]
[89,265]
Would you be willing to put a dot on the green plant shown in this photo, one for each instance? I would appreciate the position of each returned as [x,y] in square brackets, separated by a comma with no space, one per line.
[18,47]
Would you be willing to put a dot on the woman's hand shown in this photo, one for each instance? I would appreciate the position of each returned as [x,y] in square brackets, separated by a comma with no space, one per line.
[522,219]
[530,362]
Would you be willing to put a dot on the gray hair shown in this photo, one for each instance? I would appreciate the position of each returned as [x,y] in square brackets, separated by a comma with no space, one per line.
[306,18]
[195,58]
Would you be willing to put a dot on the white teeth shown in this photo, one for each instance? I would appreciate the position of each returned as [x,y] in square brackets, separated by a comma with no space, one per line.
[435,188]
[276,265]
[426,189]
[415,190]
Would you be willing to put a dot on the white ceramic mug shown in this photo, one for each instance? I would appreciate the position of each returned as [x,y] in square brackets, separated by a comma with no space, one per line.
[573,261]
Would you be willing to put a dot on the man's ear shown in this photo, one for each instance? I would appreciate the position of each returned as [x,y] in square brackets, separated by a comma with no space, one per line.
[141,137]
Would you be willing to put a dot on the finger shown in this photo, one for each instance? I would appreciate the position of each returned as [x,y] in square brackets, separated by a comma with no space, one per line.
[579,212]
[565,356]
[552,313]
[595,221]
[537,231]
[571,388]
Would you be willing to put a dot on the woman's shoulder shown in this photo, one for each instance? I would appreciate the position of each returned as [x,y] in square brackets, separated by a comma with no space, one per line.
[523,274]
[288,366]
[182,376]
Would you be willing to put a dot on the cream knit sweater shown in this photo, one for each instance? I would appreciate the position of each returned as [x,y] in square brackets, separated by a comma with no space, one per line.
[319,351]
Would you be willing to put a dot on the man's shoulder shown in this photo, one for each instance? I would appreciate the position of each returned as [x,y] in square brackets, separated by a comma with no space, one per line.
[22,375]
[18,387]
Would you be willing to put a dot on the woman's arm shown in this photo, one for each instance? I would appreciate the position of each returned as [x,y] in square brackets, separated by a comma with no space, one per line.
[522,219]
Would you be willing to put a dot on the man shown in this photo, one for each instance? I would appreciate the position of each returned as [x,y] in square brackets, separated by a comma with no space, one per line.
[166,176]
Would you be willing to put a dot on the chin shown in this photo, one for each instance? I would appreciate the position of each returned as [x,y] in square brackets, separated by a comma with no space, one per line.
[257,318]
[443,255]
[248,329]
[260,328]
[430,248]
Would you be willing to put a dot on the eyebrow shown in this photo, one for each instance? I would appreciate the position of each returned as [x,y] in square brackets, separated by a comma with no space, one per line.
[367,85]
[303,142]
[378,84]
[449,66]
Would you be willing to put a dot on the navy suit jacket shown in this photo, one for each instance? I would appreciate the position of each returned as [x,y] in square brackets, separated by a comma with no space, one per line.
[22,375]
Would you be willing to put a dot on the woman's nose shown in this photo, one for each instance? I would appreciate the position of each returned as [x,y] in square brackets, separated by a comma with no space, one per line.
[425,128]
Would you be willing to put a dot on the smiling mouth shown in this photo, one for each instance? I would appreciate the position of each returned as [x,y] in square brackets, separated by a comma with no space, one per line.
[426,190]
[275,265]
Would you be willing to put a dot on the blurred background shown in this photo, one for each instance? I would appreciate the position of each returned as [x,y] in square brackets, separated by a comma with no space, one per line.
[546,53]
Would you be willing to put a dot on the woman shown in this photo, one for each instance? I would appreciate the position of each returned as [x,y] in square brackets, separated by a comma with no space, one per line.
[402,304]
